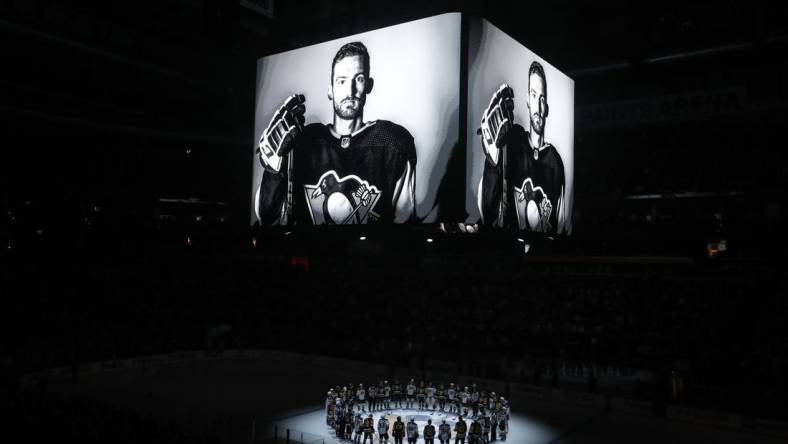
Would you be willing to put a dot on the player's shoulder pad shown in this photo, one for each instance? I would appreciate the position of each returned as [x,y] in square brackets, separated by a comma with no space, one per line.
[396,136]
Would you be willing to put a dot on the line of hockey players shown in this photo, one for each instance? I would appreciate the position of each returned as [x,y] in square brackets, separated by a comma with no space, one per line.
[344,408]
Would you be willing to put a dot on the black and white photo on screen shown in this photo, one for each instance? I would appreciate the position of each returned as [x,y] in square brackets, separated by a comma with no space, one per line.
[393,121]
[521,168]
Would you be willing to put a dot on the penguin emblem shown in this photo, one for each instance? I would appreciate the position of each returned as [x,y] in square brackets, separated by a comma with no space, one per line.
[533,207]
[346,200]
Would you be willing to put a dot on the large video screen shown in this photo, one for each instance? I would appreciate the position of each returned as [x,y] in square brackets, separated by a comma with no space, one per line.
[520,132]
[358,130]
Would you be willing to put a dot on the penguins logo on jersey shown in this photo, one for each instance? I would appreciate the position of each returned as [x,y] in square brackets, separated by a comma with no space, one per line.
[533,207]
[346,200]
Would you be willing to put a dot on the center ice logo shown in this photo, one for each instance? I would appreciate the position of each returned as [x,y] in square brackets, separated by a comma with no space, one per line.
[346,200]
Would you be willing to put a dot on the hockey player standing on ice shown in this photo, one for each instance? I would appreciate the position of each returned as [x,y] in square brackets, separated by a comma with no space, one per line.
[429,433]
[493,424]
[451,395]
[386,395]
[441,395]
[339,416]
[329,406]
[372,394]
[503,429]
[383,430]
[503,418]
[523,181]
[475,433]
[349,422]
[369,430]
[430,392]
[504,408]
[492,402]
[341,424]
[361,396]
[397,390]
[444,432]
[398,430]
[486,424]
[412,430]
[460,429]
[474,400]
[421,395]
[465,398]
[410,391]
[346,172]
[358,427]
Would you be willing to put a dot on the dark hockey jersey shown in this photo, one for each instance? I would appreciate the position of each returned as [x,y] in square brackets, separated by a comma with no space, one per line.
[535,185]
[352,179]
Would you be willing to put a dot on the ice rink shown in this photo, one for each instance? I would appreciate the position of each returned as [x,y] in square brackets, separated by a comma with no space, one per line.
[238,398]
[521,429]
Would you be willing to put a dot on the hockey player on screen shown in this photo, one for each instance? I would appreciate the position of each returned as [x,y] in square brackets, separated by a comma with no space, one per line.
[346,172]
[523,183]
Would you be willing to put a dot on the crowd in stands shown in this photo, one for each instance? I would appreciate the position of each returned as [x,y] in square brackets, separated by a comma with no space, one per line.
[708,337]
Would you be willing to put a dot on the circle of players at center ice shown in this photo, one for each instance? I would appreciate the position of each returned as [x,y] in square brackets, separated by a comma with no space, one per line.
[348,412]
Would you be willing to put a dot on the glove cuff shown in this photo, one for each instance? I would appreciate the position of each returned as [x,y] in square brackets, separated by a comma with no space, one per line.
[272,163]
[492,153]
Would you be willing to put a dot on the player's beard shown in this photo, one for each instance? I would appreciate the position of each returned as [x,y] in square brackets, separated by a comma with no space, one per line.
[349,108]
[537,124]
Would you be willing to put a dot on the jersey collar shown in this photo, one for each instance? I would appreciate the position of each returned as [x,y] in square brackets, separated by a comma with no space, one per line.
[339,136]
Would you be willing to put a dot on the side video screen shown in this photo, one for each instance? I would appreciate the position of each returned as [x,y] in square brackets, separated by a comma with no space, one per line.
[520,132]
